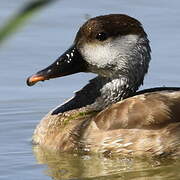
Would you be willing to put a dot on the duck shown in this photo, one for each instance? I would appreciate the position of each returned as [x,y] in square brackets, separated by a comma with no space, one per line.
[109,115]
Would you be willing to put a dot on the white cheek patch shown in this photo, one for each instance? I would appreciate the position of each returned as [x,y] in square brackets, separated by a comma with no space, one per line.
[96,54]
[109,53]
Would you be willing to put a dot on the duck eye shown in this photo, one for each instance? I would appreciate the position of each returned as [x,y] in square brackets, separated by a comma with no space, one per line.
[101,36]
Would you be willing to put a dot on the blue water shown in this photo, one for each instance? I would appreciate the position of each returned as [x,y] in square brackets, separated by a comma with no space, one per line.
[38,44]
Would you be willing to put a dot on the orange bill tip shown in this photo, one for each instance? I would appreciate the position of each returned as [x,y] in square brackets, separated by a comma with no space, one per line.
[34,79]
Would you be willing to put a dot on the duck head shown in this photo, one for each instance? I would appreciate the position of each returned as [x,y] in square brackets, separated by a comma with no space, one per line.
[111,46]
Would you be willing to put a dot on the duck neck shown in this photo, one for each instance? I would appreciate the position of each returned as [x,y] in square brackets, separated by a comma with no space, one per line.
[99,93]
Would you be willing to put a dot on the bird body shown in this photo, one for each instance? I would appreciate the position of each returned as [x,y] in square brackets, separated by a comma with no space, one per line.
[107,115]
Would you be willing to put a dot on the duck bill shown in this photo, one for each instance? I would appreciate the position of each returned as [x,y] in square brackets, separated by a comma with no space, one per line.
[68,63]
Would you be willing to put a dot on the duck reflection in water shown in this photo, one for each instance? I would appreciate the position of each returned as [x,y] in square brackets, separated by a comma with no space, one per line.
[97,166]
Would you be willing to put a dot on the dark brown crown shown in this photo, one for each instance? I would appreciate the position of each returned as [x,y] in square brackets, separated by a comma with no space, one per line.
[113,25]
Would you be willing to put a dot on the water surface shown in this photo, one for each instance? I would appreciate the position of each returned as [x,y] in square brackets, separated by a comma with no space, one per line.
[38,44]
